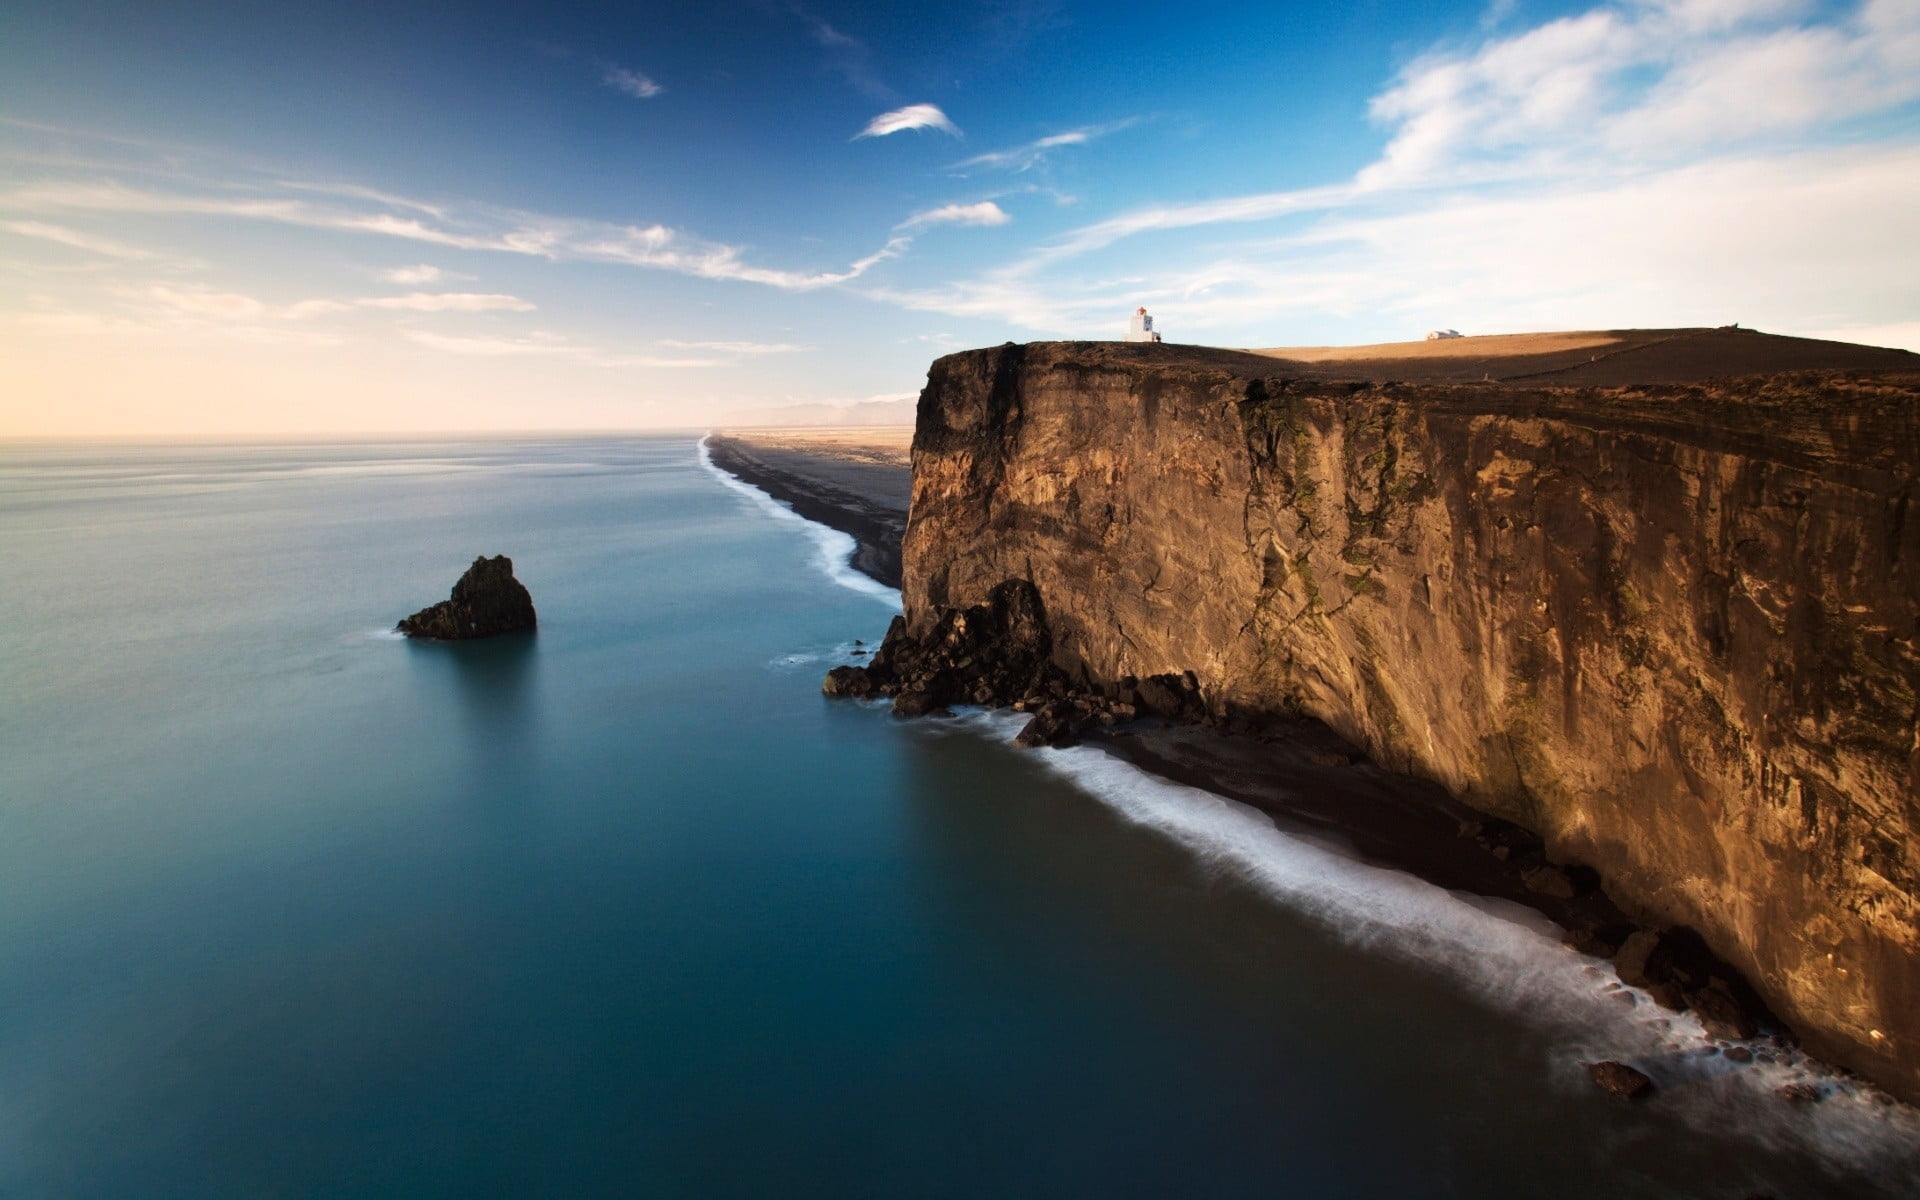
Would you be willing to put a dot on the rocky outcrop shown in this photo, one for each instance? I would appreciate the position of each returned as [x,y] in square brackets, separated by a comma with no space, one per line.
[1672,629]
[1619,1079]
[487,601]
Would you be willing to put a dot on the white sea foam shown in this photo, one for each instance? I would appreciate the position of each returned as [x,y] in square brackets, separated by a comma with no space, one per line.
[384,635]
[845,652]
[1512,958]
[835,548]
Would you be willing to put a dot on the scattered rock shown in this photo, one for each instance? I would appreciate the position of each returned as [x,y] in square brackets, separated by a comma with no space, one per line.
[1643,961]
[1802,1093]
[916,703]
[1049,727]
[487,601]
[1721,1013]
[1549,881]
[848,681]
[1739,1054]
[1602,939]
[1620,1080]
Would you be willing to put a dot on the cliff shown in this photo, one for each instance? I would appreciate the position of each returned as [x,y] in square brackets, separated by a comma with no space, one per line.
[1671,627]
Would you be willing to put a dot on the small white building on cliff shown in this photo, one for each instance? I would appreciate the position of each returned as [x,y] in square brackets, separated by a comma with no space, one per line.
[1141,329]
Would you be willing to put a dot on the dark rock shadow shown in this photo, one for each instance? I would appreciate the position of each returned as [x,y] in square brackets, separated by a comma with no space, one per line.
[492,681]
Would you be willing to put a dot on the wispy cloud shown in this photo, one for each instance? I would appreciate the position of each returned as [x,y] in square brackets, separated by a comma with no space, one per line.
[1032,154]
[847,56]
[222,306]
[414,275]
[212,304]
[547,345]
[913,116]
[1649,162]
[1646,83]
[986,212]
[632,83]
[73,237]
[449,302]
[743,349]
[483,229]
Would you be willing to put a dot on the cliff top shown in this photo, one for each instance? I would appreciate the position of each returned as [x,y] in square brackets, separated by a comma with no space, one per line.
[1600,358]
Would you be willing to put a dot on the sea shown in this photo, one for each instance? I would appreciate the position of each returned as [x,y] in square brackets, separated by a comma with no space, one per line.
[292,907]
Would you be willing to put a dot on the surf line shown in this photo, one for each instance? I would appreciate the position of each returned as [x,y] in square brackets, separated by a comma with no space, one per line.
[835,549]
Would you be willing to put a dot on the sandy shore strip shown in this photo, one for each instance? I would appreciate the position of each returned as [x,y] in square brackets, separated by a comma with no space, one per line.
[858,481]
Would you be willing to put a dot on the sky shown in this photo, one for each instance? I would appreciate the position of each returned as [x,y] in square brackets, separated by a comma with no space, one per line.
[340,218]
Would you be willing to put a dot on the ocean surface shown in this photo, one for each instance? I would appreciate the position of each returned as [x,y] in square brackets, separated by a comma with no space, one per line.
[292,908]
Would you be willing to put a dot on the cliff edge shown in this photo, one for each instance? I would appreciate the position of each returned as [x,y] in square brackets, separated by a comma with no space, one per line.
[1671,626]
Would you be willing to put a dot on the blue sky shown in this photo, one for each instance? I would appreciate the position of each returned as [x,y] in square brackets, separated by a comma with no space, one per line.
[233,218]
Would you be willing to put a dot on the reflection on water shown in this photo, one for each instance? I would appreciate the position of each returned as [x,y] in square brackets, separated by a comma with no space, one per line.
[492,681]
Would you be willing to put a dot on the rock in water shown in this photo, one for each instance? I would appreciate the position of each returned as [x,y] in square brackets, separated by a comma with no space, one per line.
[1620,1079]
[487,601]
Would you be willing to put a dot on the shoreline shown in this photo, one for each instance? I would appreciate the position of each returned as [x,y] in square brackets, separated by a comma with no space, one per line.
[849,483]
[1301,775]
[1314,785]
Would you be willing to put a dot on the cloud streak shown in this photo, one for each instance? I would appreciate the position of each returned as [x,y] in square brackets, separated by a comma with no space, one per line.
[1032,154]
[74,238]
[657,247]
[552,346]
[631,83]
[912,117]
[1644,162]
[986,212]
[465,302]
[414,275]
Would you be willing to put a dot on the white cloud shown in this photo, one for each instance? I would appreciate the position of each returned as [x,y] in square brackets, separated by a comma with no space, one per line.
[1032,154]
[633,83]
[1780,242]
[506,232]
[449,302]
[1647,162]
[1652,81]
[546,345]
[72,237]
[204,302]
[414,275]
[744,349]
[913,116]
[986,212]
[491,347]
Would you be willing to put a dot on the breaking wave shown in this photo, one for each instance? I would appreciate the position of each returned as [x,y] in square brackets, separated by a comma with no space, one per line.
[1512,958]
[835,548]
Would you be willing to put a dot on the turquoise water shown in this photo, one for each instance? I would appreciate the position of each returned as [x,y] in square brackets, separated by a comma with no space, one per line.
[291,908]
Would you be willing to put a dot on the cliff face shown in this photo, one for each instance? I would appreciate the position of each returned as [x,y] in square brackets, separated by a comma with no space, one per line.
[1671,628]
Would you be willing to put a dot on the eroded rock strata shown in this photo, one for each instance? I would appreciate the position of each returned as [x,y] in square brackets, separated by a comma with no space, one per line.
[487,601]
[1670,628]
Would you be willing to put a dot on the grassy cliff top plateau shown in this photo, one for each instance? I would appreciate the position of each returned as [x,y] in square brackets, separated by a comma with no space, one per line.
[1606,358]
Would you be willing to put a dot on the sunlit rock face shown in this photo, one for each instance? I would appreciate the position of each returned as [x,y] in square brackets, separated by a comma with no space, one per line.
[1670,627]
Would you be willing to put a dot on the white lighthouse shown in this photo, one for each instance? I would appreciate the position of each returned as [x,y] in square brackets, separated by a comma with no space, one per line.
[1141,328]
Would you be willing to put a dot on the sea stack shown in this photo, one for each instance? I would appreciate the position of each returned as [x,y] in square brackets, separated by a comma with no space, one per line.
[487,601]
